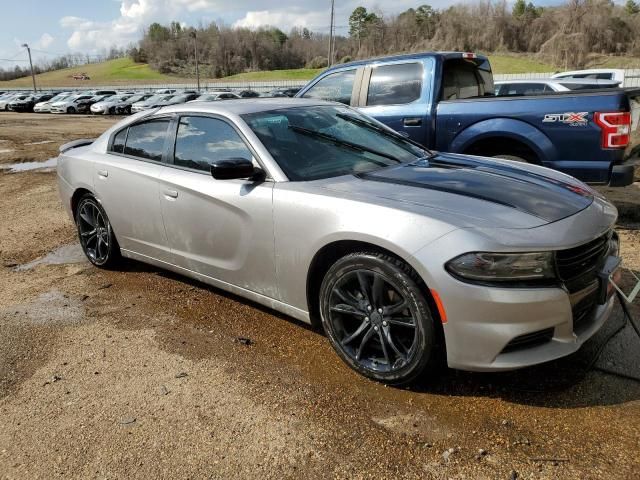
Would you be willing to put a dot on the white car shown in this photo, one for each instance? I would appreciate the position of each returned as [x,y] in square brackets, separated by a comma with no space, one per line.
[70,104]
[150,102]
[45,107]
[549,85]
[216,96]
[5,100]
[616,74]
[109,105]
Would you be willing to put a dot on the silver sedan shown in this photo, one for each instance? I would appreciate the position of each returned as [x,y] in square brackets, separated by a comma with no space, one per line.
[403,255]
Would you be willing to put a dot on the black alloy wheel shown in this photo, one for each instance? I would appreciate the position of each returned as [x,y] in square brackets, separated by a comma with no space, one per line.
[95,233]
[377,318]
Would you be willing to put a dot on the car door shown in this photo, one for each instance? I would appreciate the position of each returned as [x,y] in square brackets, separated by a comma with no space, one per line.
[126,183]
[219,228]
[397,94]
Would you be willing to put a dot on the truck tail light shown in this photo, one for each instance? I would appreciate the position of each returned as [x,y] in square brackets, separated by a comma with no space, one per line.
[616,128]
[469,55]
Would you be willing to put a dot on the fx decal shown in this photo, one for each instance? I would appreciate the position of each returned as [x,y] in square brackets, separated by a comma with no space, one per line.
[569,118]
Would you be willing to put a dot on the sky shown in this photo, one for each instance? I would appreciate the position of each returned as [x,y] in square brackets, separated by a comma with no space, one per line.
[57,27]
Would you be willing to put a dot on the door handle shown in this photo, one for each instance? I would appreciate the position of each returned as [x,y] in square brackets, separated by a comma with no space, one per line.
[170,193]
[103,173]
[412,122]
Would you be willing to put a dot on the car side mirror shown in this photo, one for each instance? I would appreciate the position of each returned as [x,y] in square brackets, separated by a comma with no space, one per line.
[233,168]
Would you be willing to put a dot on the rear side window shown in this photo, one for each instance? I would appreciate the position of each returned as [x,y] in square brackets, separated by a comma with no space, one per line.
[202,140]
[395,84]
[335,87]
[524,89]
[118,141]
[146,140]
[464,78]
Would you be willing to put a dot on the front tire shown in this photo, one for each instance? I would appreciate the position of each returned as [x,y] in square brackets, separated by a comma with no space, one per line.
[71,110]
[377,318]
[96,236]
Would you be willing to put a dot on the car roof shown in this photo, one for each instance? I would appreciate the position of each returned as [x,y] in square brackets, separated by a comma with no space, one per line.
[244,106]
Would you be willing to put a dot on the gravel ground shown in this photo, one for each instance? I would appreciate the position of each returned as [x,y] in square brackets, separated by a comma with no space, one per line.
[136,372]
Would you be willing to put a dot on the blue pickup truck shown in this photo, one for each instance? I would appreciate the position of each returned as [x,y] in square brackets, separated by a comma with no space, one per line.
[446,101]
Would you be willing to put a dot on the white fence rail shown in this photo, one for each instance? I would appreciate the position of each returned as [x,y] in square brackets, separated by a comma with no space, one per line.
[632,79]
[257,86]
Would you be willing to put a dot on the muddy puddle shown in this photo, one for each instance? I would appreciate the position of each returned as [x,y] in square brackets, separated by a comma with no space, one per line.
[60,256]
[28,166]
[49,308]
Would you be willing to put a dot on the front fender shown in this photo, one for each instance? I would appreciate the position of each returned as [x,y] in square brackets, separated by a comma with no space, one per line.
[505,128]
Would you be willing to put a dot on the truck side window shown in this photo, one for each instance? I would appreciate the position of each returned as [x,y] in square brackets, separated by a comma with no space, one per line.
[334,87]
[395,84]
[466,79]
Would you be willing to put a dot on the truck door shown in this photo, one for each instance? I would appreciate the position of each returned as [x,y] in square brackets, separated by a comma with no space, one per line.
[398,94]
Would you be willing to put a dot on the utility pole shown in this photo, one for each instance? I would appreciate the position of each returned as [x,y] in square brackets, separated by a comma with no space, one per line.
[331,29]
[195,46]
[33,77]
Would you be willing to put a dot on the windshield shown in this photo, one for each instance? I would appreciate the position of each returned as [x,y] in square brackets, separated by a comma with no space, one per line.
[138,98]
[310,143]
[155,98]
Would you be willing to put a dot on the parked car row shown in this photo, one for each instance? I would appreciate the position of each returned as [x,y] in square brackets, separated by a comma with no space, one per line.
[111,102]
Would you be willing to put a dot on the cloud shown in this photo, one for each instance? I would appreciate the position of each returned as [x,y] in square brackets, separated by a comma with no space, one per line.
[45,41]
[282,18]
[92,35]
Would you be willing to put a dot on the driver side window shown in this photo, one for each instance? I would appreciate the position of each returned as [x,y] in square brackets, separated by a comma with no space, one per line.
[336,87]
[202,140]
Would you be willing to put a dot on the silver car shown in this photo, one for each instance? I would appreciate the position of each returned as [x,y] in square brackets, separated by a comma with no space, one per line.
[403,255]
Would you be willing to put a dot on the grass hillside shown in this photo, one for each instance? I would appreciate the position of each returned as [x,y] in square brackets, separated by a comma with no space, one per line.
[519,64]
[120,70]
[124,71]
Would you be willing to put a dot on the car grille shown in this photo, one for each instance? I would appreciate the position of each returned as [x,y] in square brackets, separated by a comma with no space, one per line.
[529,340]
[582,311]
[578,267]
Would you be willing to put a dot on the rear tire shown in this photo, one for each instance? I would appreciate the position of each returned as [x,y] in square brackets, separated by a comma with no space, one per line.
[96,236]
[376,317]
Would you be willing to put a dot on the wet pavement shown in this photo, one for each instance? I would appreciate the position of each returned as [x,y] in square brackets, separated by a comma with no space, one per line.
[27,166]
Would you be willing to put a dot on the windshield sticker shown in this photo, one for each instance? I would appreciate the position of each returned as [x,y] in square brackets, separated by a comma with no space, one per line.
[572,119]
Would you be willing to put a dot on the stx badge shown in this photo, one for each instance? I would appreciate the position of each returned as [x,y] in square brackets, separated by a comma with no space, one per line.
[570,118]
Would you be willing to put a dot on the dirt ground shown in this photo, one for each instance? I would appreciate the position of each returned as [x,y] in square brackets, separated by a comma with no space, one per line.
[138,373]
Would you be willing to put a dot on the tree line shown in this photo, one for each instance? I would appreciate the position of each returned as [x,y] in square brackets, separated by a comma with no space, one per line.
[562,35]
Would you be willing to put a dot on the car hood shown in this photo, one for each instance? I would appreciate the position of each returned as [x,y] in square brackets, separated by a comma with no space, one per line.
[472,191]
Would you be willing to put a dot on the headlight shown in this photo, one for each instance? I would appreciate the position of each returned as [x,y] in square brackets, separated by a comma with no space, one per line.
[503,267]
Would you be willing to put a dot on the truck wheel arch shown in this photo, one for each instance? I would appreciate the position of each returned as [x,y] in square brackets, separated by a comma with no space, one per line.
[507,137]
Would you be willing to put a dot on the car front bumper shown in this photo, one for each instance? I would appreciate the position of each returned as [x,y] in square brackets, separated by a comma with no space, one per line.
[493,328]
[507,329]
